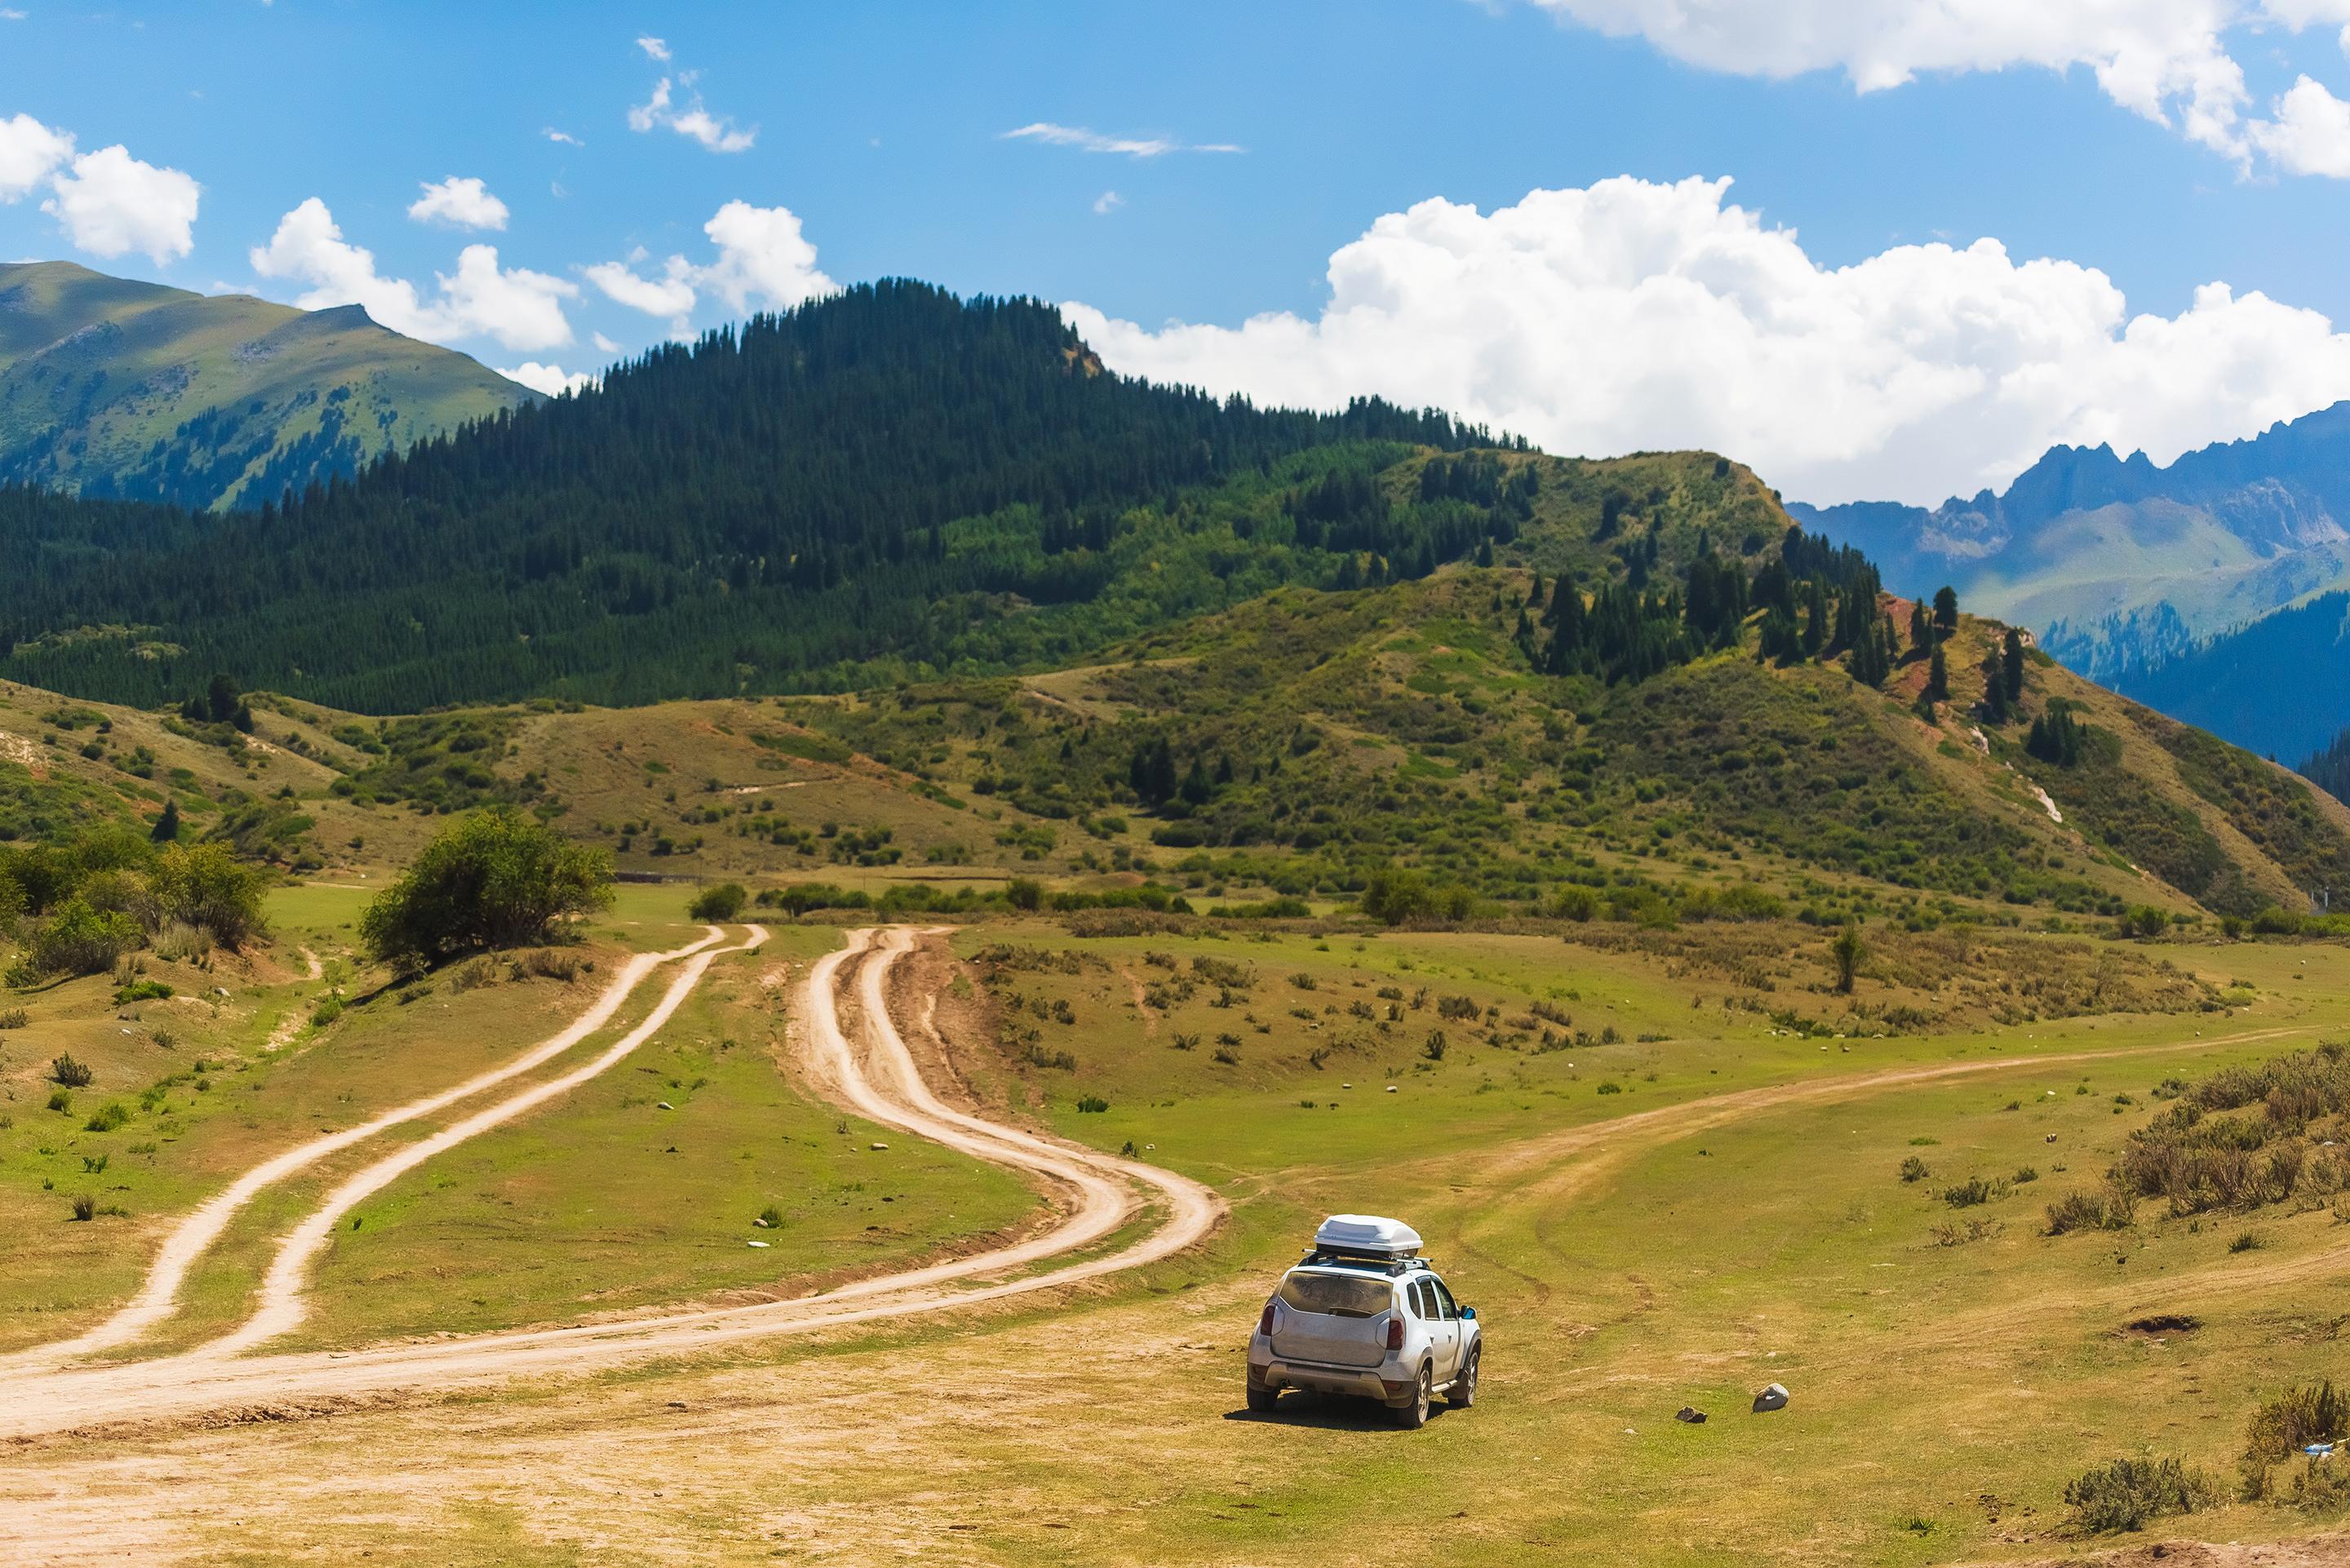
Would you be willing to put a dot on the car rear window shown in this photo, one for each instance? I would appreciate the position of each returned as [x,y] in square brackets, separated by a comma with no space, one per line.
[1337,1295]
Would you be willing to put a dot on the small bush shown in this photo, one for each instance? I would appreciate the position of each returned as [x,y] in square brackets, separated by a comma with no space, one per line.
[1093,1104]
[84,1206]
[12,1017]
[772,1217]
[1434,1046]
[2249,1241]
[61,1100]
[107,1117]
[141,990]
[328,1009]
[2090,1211]
[1186,1042]
[68,1073]
[1915,1170]
[1610,1086]
[2129,1495]
[1974,1190]
[2281,1427]
[1226,1054]
[719,903]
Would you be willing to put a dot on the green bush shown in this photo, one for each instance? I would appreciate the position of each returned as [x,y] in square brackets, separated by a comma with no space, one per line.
[2129,1495]
[494,879]
[140,990]
[108,1117]
[1093,1104]
[721,903]
[79,940]
[2281,1427]
[68,1073]
[204,886]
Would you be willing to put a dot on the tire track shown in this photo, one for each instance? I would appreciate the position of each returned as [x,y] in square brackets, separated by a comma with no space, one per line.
[879,1081]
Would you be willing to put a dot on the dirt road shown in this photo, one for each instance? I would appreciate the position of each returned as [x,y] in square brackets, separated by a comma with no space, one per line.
[866,1067]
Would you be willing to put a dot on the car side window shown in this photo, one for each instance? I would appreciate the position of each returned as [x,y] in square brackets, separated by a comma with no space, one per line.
[1421,1307]
[1444,1307]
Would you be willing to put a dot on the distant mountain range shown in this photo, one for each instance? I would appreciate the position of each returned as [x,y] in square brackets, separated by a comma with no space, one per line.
[2174,584]
[110,387]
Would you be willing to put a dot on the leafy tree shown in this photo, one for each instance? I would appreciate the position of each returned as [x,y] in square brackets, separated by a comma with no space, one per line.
[1392,896]
[494,879]
[719,903]
[204,886]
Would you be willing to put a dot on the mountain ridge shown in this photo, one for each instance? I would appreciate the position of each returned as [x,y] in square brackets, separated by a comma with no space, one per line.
[111,388]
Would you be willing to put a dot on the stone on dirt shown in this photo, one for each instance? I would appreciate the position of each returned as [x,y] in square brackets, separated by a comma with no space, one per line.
[1773,1397]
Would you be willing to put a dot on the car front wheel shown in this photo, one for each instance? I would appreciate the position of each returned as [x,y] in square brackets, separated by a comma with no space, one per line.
[1463,1392]
[1414,1415]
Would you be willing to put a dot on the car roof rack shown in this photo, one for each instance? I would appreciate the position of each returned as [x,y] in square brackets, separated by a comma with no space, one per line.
[1376,1262]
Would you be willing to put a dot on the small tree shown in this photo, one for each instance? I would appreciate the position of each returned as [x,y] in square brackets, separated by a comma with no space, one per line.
[722,903]
[1921,632]
[2011,665]
[79,940]
[167,825]
[494,879]
[1848,950]
[1937,678]
[204,886]
[1946,608]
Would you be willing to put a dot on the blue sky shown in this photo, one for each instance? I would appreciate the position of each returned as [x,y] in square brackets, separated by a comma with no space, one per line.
[882,130]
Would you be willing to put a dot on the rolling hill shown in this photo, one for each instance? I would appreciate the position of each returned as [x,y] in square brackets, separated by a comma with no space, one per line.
[118,389]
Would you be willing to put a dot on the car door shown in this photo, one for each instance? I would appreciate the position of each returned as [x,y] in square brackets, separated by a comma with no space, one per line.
[1443,1325]
[1449,1316]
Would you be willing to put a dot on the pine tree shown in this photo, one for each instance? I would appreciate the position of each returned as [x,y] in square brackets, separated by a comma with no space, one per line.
[2012,666]
[167,825]
[1994,702]
[1920,631]
[1946,608]
[1937,678]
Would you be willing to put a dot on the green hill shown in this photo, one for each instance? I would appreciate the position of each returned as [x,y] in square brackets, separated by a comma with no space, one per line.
[114,387]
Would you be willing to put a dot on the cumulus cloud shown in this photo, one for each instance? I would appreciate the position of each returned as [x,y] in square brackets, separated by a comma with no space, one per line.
[30,153]
[1635,315]
[110,205]
[517,308]
[764,260]
[2166,59]
[549,378]
[460,203]
[2311,133]
[1086,141]
[717,132]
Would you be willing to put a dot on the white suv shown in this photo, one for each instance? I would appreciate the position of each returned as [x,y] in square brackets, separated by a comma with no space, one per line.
[1365,1314]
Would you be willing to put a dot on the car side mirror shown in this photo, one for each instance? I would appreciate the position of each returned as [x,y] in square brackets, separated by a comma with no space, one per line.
[1470,1314]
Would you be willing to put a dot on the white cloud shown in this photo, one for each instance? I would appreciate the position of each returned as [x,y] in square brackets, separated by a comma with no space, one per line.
[1107,203]
[1633,315]
[548,379]
[603,345]
[461,204]
[2311,133]
[110,204]
[10,13]
[564,137]
[30,153]
[1086,141]
[764,260]
[671,294]
[654,48]
[518,309]
[2164,59]
[715,132]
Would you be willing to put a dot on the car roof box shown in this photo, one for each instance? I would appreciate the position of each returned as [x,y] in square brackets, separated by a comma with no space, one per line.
[1366,1236]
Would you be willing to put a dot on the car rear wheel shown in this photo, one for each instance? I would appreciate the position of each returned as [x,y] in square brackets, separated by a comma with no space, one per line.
[1263,1401]
[1412,1416]
[1463,1392]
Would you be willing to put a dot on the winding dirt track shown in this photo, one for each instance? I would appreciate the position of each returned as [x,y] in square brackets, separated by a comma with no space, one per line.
[870,1071]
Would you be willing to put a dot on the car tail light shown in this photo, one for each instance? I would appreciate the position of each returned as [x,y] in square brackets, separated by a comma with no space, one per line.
[1395,1333]
[1265,1324]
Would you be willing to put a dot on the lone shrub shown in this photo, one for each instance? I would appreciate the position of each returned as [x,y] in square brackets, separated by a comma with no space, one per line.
[719,903]
[2090,1211]
[495,879]
[1847,950]
[2128,1494]
[328,1009]
[71,1073]
[204,886]
[14,1017]
[1093,1104]
[1914,1170]
[84,1206]
[79,940]
[107,1117]
[2282,1426]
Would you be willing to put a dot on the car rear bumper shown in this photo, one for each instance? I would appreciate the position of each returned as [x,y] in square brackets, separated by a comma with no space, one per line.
[1319,1377]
